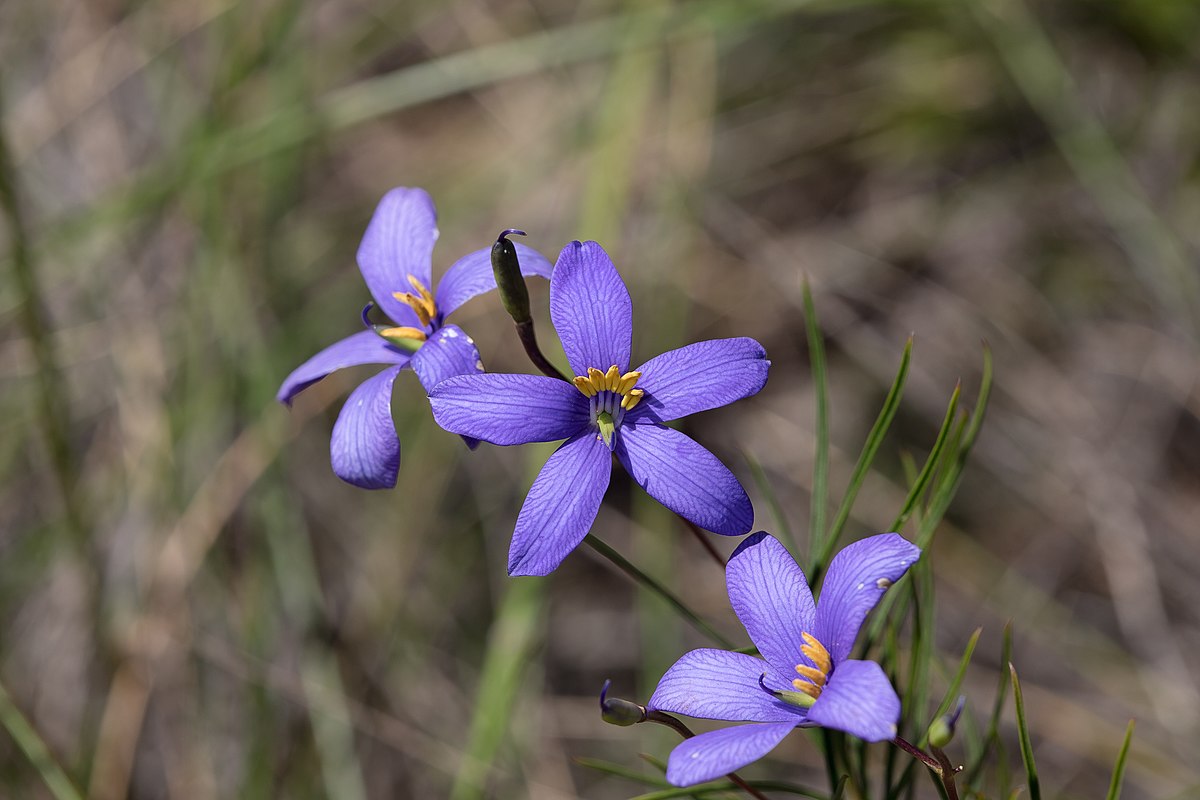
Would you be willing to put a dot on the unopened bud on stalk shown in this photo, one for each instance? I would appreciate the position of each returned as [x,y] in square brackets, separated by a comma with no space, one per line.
[941,732]
[509,281]
[616,711]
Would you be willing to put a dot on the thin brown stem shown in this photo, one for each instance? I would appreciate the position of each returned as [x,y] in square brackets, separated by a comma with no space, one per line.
[528,339]
[686,732]
[939,765]
[705,542]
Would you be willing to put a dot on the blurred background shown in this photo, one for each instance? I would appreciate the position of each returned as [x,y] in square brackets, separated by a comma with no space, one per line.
[193,606]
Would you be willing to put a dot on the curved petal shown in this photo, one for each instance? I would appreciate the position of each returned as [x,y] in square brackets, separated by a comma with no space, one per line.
[472,275]
[716,753]
[561,505]
[770,595]
[364,448]
[591,309]
[684,477]
[447,353]
[860,700]
[364,347]
[717,684]
[509,409]
[701,376]
[858,576]
[398,243]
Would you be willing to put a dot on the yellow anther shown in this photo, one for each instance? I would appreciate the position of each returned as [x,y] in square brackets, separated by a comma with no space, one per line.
[430,304]
[584,385]
[632,398]
[812,690]
[612,378]
[597,378]
[422,303]
[403,332]
[816,652]
[814,675]
[627,381]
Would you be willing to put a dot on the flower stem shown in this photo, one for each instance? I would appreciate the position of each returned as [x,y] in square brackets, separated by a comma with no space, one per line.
[653,585]
[938,764]
[528,339]
[685,732]
[704,541]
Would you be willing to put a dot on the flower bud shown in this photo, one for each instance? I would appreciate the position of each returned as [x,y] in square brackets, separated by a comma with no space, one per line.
[941,732]
[509,280]
[616,711]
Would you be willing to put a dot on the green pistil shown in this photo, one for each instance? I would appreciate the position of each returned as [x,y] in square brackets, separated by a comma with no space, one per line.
[799,699]
[607,427]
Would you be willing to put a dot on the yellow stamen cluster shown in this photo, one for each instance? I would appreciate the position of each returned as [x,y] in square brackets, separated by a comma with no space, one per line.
[422,302]
[403,332]
[816,676]
[612,381]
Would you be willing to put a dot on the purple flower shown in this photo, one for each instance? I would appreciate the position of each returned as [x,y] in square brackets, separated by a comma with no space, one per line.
[395,258]
[804,677]
[607,409]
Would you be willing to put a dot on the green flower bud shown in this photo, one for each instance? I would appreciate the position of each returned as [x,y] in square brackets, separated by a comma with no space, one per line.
[941,732]
[509,281]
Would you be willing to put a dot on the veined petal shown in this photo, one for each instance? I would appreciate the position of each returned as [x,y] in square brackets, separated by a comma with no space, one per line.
[717,684]
[472,275]
[858,576]
[770,595]
[364,347]
[509,409]
[561,505]
[447,353]
[591,309]
[701,376]
[859,699]
[716,753]
[364,448]
[684,477]
[398,243]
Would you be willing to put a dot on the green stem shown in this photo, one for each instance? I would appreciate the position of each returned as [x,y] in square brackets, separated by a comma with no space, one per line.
[653,585]
[23,733]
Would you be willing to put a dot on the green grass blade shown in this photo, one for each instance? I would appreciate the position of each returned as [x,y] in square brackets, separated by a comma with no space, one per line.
[890,404]
[621,771]
[820,482]
[947,486]
[919,484]
[768,493]
[31,744]
[653,585]
[956,683]
[1114,787]
[992,737]
[726,786]
[513,636]
[1031,776]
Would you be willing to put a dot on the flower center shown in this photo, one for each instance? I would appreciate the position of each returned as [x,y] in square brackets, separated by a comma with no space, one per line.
[422,303]
[813,678]
[611,394]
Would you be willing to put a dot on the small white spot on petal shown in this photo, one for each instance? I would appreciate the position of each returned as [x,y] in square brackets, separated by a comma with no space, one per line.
[479,366]
[883,583]
[860,586]
[451,333]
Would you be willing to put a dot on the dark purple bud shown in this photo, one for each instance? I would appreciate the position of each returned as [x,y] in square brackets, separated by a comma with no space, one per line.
[509,281]
[616,711]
